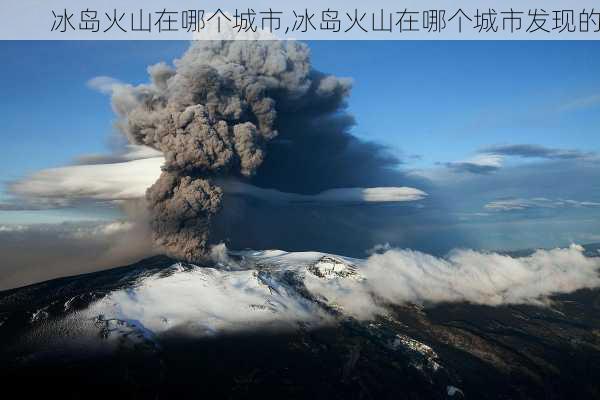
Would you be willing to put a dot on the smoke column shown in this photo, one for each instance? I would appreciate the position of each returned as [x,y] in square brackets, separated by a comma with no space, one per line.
[211,115]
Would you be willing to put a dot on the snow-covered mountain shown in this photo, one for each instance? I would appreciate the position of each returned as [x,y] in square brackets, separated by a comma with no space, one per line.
[347,328]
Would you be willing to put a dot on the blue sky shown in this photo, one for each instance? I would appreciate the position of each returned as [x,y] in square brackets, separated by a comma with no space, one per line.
[439,100]
[431,102]
[442,100]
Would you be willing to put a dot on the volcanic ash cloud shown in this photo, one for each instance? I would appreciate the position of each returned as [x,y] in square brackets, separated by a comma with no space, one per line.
[211,116]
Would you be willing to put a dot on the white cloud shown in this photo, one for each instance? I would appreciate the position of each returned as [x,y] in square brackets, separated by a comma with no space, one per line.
[479,164]
[342,195]
[127,175]
[116,181]
[486,159]
[254,294]
[521,204]
[104,84]
[12,228]
[405,276]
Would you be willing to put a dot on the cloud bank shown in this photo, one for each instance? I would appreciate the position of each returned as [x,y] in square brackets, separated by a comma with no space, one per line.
[537,151]
[207,301]
[401,276]
[34,253]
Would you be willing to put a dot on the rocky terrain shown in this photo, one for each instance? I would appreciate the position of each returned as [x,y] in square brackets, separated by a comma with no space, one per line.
[265,324]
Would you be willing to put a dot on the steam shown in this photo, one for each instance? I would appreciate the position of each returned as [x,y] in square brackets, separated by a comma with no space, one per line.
[400,277]
[211,116]
[407,276]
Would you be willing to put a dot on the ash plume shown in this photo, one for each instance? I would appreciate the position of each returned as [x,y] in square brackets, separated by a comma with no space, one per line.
[211,115]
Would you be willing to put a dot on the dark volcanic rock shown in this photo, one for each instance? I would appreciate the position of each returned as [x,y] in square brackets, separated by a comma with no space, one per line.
[437,352]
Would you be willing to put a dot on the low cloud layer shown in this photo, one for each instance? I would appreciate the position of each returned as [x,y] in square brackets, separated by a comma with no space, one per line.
[206,301]
[537,151]
[520,204]
[401,276]
[34,253]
